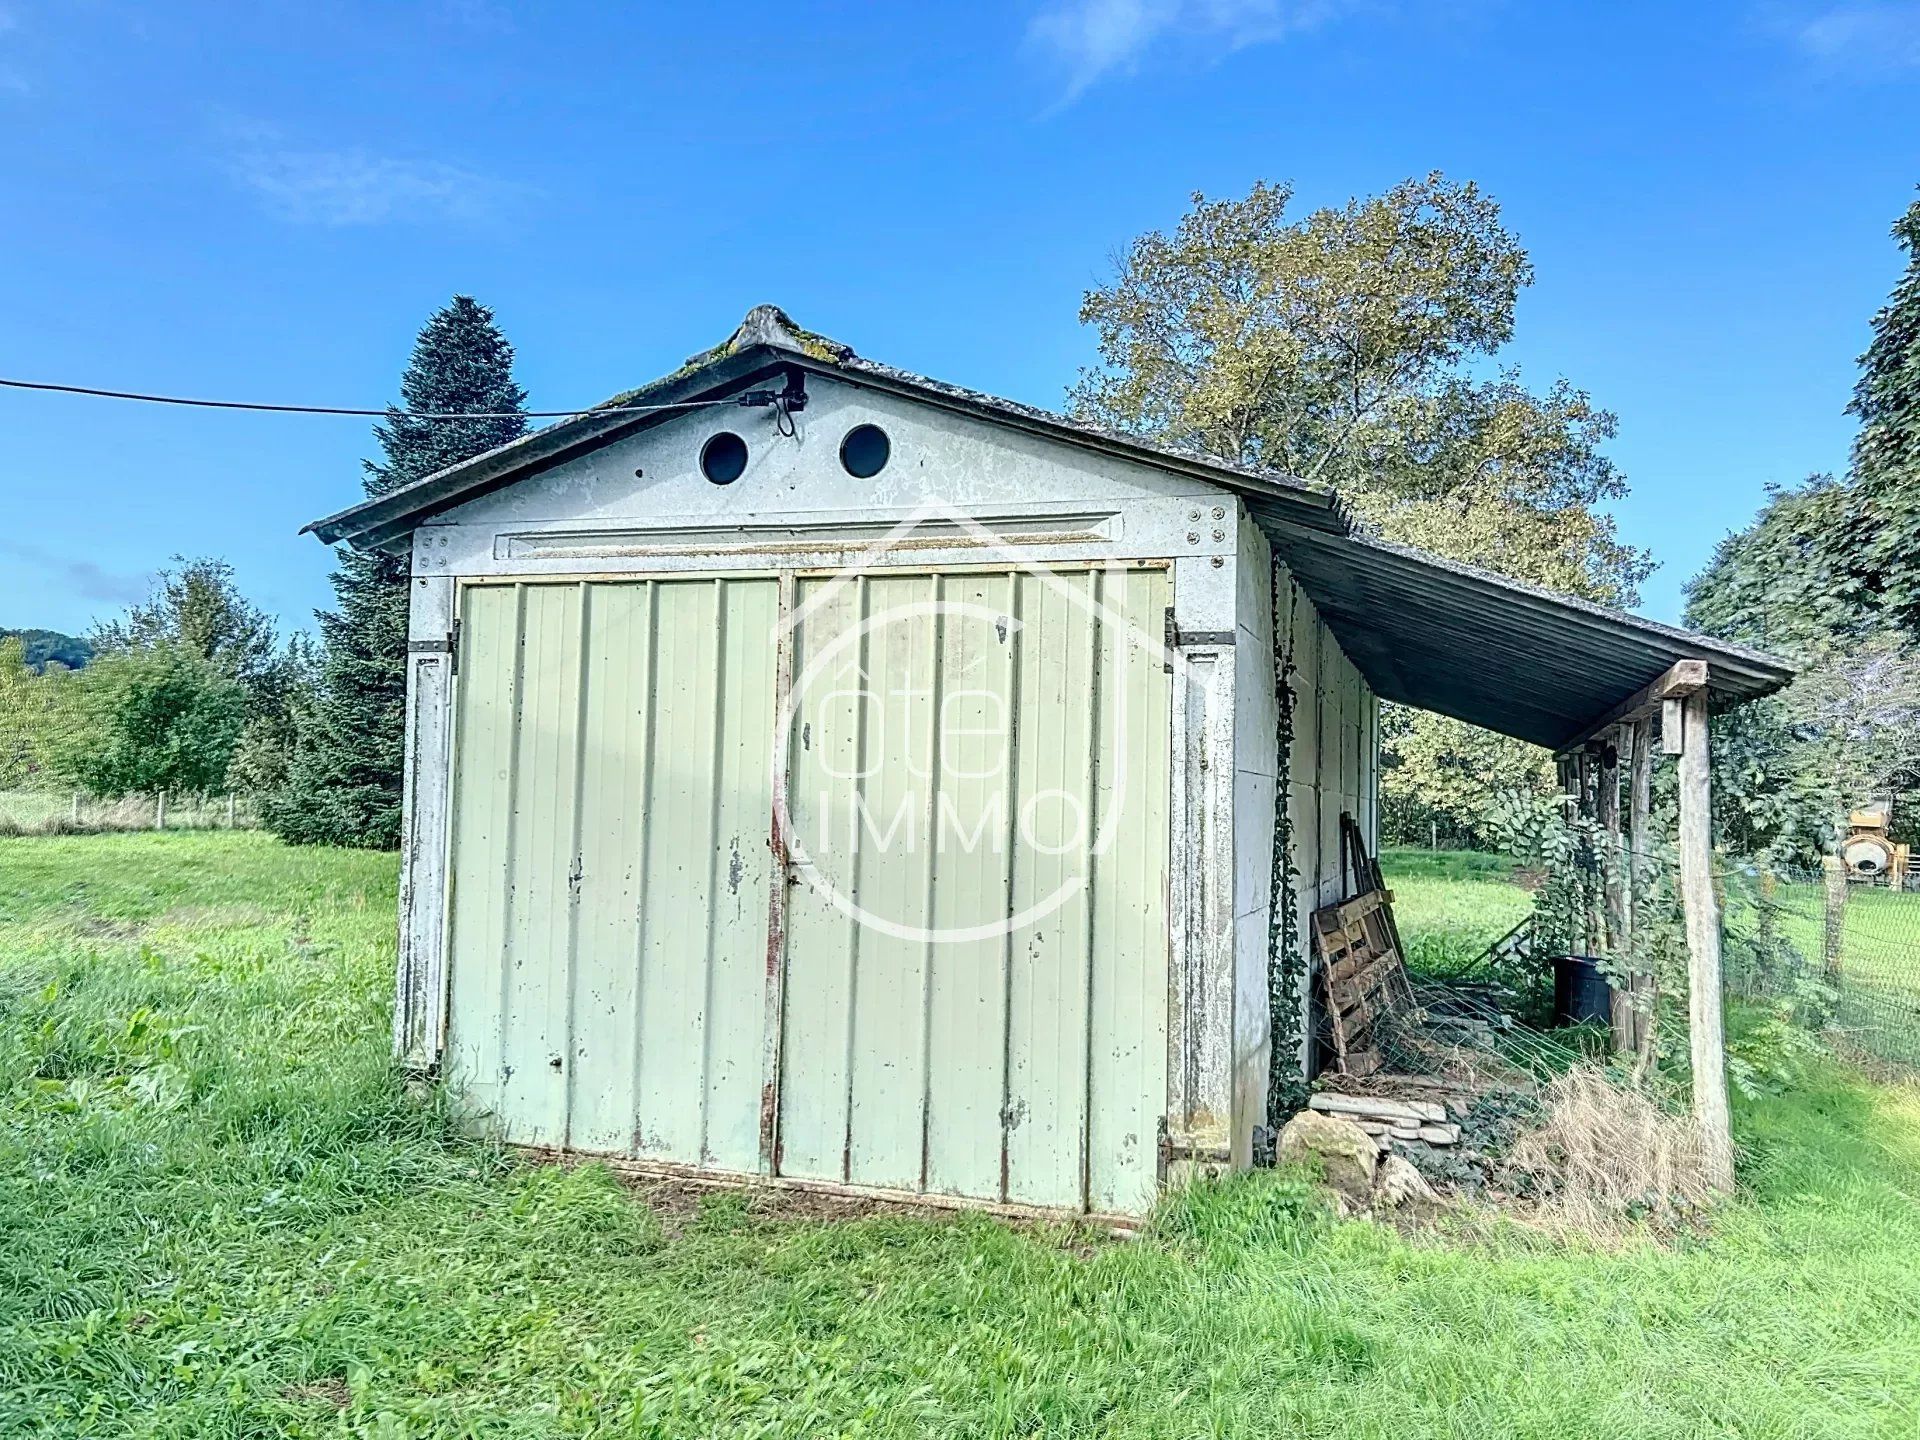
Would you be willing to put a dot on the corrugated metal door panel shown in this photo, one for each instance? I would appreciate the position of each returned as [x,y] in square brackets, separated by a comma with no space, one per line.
[613,789]
[483,757]
[1127,1048]
[523,712]
[740,874]
[967,1019]
[675,892]
[1025,1065]
[613,833]
[1047,1024]
[823,943]
[888,1060]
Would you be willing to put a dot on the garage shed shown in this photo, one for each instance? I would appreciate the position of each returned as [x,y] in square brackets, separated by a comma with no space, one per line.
[820,773]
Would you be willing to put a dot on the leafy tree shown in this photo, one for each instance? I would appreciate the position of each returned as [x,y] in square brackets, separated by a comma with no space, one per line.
[1783,584]
[153,719]
[1336,348]
[196,606]
[1883,536]
[262,759]
[343,778]
[1856,709]
[1304,346]
[36,710]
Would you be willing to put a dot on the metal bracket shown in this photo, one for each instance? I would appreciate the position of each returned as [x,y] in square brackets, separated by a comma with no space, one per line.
[450,647]
[1171,1151]
[1178,639]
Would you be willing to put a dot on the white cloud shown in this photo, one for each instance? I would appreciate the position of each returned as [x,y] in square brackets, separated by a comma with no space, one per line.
[1877,35]
[358,187]
[1097,37]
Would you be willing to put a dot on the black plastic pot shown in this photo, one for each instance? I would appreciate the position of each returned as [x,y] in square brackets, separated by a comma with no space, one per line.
[1581,993]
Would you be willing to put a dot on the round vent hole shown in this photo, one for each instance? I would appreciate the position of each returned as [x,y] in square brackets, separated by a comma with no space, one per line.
[865,451]
[723,458]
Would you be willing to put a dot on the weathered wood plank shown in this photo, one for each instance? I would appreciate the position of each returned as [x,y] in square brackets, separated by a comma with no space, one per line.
[1702,910]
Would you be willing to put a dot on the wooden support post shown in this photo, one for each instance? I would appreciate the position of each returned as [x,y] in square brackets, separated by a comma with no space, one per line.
[1702,909]
[1613,882]
[1581,921]
[160,810]
[1639,808]
[1671,726]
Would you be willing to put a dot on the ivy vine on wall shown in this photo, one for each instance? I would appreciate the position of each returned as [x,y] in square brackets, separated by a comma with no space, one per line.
[1286,964]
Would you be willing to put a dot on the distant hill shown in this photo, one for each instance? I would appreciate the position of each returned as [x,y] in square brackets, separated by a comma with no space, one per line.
[44,645]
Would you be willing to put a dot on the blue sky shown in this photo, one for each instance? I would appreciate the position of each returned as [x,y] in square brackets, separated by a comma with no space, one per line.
[265,200]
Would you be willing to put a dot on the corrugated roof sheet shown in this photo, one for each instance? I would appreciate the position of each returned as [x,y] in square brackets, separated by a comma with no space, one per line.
[1492,651]
[1424,631]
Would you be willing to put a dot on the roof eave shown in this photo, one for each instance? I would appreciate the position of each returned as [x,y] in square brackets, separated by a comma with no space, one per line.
[385,520]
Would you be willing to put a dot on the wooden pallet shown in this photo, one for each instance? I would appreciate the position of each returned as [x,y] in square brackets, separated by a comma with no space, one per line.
[1362,974]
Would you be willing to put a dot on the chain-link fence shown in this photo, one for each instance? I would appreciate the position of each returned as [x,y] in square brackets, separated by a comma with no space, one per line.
[1851,941]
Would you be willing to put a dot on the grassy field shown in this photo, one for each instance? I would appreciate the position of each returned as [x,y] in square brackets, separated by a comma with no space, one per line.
[220,1215]
[1451,904]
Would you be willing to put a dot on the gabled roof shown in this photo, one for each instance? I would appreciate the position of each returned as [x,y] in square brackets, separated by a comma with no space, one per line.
[765,345]
[1424,631]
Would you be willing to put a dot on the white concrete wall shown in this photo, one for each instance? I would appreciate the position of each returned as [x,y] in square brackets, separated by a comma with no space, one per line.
[1334,766]
[1256,766]
[1333,769]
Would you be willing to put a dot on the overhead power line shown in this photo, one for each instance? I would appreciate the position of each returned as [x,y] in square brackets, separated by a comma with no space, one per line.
[380,414]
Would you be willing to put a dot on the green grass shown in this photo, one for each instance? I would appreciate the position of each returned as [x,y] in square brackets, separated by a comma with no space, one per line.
[1451,905]
[220,1215]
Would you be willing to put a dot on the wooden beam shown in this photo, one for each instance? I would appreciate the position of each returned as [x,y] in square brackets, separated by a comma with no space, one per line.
[1702,910]
[1682,678]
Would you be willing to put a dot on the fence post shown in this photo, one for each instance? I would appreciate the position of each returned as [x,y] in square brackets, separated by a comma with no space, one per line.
[229,810]
[76,808]
[160,810]
[1836,869]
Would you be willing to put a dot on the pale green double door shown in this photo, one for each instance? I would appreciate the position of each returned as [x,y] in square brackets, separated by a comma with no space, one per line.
[869,887]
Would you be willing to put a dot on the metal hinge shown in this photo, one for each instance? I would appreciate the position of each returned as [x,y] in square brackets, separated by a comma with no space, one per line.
[449,647]
[1171,1152]
[1176,638]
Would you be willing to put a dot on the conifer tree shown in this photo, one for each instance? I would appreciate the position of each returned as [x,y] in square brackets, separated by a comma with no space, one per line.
[343,779]
[1885,540]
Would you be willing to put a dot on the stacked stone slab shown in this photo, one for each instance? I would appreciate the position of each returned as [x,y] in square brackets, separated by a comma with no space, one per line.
[1387,1119]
